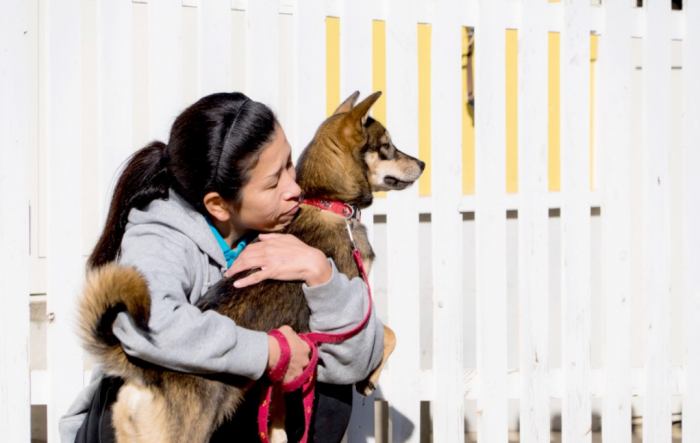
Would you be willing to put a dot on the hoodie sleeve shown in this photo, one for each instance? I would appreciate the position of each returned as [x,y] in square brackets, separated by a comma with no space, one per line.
[338,306]
[182,337]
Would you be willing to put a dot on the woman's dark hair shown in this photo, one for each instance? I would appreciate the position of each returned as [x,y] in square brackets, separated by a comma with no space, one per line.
[212,148]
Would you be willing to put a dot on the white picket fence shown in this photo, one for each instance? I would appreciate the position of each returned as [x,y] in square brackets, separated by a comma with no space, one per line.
[298,94]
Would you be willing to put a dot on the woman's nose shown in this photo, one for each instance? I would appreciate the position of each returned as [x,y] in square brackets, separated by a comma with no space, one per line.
[294,191]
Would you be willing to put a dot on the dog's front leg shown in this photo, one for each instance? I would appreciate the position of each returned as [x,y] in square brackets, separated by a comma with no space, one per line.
[278,414]
[368,385]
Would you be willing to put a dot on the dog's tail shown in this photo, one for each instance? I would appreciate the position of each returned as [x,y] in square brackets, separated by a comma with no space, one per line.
[109,290]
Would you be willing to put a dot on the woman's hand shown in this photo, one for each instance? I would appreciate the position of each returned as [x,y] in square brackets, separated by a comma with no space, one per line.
[300,354]
[281,257]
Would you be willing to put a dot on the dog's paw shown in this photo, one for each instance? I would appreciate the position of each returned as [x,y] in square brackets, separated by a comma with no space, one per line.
[365,387]
[278,436]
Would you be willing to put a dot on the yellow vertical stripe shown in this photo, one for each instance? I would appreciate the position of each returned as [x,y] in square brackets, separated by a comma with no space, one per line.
[594,57]
[424,36]
[511,111]
[379,69]
[332,64]
[379,75]
[468,171]
[554,113]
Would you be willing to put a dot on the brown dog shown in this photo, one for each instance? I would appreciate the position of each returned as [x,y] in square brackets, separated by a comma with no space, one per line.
[158,405]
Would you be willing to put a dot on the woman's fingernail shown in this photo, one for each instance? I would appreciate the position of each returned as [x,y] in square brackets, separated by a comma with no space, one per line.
[237,283]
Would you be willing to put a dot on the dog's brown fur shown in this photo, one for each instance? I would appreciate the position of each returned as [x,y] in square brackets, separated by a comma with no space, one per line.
[350,156]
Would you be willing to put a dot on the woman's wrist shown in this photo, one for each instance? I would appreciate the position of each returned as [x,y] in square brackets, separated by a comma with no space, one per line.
[274,353]
[320,270]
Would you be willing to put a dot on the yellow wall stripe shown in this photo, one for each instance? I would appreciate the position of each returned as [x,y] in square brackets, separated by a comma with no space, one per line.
[379,75]
[332,64]
[379,69]
[424,39]
[511,111]
[554,113]
[468,171]
[594,57]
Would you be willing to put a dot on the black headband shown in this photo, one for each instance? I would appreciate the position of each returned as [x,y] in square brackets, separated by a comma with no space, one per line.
[228,134]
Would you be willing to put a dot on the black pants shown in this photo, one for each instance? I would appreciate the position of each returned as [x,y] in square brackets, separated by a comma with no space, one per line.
[97,427]
[332,409]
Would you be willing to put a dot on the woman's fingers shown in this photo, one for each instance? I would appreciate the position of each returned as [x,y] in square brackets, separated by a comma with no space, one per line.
[254,278]
[281,257]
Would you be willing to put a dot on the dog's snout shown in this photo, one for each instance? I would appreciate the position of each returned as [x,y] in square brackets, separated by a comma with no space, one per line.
[421,164]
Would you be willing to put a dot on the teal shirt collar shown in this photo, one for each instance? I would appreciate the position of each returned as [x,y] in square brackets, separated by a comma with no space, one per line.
[229,254]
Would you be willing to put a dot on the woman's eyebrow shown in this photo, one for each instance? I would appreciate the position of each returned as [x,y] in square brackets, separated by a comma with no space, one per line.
[282,168]
[275,174]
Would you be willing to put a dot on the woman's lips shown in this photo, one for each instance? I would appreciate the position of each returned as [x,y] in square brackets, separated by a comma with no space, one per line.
[292,211]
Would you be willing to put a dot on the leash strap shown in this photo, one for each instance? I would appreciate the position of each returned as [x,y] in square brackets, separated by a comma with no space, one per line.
[277,373]
[307,380]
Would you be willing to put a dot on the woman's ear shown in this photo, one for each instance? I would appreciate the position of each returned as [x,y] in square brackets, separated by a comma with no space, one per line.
[217,207]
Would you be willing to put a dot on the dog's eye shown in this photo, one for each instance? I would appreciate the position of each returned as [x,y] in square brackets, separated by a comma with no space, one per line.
[385,152]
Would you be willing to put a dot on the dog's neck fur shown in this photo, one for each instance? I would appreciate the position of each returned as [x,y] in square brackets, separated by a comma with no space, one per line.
[330,172]
[337,172]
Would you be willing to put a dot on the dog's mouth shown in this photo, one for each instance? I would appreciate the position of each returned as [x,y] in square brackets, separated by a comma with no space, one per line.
[395,183]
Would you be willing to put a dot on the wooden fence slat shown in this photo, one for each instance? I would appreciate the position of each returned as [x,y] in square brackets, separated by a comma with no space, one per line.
[356,66]
[262,52]
[490,217]
[691,233]
[402,222]
[356,75]
[356,49]
[533,223]
[656,209]
[310,33]
[115,92]
[575,222]
[14,223]
[615,126]
[448,297]
[164,66]
[65,250]
[215,70]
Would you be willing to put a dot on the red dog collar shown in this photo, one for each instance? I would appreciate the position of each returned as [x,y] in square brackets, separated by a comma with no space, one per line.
[350,212]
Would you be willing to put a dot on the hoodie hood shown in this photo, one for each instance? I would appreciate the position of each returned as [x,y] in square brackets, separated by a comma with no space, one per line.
[178,215]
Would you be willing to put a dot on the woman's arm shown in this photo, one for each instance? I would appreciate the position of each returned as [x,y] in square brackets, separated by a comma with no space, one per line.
[182,337]
[338,306]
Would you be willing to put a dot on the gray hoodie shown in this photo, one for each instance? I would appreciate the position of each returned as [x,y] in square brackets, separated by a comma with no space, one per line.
[171,244]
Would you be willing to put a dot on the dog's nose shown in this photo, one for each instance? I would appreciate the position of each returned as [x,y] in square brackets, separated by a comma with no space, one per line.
[422,165]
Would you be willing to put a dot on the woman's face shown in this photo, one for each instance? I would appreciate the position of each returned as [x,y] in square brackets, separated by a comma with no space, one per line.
[270,199]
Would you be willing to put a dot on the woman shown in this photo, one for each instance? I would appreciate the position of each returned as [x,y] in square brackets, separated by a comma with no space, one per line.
[181,213]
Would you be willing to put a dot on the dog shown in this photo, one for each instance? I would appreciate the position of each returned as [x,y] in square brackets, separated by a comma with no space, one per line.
[350,157]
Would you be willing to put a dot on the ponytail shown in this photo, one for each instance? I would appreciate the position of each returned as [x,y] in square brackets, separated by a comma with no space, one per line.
[145,178]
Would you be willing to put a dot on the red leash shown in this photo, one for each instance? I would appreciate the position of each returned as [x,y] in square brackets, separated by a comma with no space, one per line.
[307,380]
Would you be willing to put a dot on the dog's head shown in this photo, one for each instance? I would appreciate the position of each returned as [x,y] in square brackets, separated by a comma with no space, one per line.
[352,156]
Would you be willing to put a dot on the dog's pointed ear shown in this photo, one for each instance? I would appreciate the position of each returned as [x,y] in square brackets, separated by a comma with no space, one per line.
[360,113]
[347,105]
